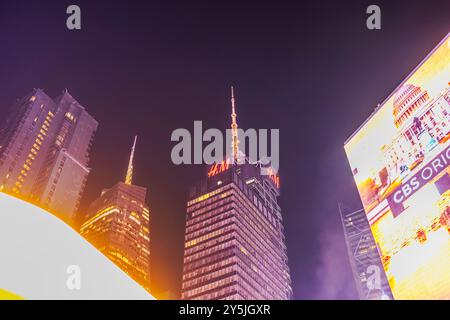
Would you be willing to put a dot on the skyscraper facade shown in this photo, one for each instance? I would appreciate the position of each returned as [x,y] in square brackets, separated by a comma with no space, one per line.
[234,241]
[24,142]
[44,151]
[118,224]
[370,278]
[62,178]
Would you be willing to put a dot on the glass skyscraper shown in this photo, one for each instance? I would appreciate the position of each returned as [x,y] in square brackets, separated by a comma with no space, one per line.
[44,152]
[118,224]
[234,242]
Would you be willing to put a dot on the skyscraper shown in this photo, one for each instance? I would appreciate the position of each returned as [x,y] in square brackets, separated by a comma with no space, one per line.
[234,242]
[118,224]
[24,142]
[44,151]
[63,176]
[370,278]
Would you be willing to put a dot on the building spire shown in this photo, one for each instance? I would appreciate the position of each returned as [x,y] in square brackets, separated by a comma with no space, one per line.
[234,128]
[129,176]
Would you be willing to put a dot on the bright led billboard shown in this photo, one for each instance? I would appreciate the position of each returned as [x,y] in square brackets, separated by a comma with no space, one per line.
[400,159]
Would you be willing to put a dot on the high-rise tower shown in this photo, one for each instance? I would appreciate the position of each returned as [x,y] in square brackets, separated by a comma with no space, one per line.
[44,151]
[62,178]
[25,140]
[118,224]
[234,242]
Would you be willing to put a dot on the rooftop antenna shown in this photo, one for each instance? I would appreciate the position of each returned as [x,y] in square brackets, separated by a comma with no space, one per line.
[234,128]
[129,176]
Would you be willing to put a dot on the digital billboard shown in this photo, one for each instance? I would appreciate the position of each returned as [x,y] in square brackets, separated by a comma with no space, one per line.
[400,160]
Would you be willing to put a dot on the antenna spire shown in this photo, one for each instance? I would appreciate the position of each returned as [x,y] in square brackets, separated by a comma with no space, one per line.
[129,176]
[234,127]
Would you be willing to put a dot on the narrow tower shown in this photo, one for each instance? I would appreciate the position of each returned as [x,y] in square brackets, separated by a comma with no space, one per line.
[129,176]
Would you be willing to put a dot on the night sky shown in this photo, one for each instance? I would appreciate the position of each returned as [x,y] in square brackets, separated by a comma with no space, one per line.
[313,70]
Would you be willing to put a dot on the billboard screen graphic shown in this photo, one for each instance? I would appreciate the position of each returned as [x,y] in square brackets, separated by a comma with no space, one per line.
[400,159]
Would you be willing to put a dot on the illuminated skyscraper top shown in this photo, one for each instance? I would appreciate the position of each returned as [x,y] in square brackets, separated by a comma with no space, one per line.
[234,127]
[234,240]
[129,176]
[118,224]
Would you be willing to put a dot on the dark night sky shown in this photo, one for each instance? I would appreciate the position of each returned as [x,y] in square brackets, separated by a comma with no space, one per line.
[313,70]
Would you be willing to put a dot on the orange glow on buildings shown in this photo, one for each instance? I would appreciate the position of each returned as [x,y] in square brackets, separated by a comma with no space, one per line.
[118,224]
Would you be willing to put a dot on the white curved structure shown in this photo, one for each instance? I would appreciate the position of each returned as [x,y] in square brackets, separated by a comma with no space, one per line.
[43,258]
